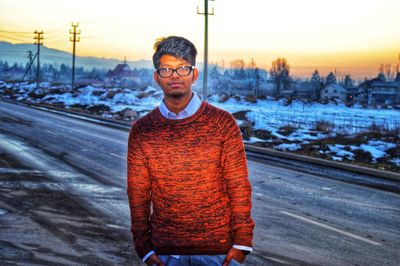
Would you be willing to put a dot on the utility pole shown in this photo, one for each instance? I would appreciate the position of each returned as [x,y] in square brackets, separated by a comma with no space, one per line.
[206,14]
[29,69]
[38,41]
[74,39]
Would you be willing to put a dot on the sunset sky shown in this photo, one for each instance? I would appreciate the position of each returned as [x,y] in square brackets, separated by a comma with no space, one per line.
[349,35]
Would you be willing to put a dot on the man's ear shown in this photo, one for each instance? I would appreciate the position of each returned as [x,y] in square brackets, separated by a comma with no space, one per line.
[155,76]
[195,75]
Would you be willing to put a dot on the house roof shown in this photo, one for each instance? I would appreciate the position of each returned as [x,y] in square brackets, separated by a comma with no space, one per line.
[378,82]
[397,79]
[335,86]
[388,84]
[121,70]
[305,86]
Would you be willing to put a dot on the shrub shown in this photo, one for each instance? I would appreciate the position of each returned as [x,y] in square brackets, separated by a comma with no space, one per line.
[250,98]
[362,156]
[324,126]
[224,98]
[263,134]
[287,130]
[99,108]
[79,106]
[241,115]
[375,128]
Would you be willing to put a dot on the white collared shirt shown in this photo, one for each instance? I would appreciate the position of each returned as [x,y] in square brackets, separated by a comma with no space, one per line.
[189,110]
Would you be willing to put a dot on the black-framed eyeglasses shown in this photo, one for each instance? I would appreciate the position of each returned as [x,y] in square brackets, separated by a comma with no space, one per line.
[182,71]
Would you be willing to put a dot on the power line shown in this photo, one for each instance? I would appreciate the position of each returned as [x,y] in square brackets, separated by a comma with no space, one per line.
[15,39]
[102,36]
[58,29]
[15,32]
[56,42]
[55,35]
[64,38]
[20,34]
[90,22]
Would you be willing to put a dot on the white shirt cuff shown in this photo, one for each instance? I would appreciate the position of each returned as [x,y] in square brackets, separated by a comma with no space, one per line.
[250,249]
[148,255]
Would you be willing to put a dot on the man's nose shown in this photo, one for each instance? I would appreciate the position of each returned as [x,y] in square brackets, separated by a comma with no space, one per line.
[175,75]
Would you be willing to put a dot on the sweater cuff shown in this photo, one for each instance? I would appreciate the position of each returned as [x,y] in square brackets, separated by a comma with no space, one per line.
[143,250]
[243,239]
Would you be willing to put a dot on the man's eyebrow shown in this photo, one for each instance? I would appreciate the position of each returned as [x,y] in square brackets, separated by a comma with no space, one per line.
[170,66]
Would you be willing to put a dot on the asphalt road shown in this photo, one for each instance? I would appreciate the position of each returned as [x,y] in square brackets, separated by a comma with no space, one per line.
[63,201]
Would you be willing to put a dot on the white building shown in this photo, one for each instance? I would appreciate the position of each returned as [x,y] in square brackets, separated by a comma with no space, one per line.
[334,91]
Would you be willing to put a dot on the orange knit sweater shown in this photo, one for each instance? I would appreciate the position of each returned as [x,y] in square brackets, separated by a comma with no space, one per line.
[194,173]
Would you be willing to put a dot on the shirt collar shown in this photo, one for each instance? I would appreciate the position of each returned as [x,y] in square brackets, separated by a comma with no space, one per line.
[189,110]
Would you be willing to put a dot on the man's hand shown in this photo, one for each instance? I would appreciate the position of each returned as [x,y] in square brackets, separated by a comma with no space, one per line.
[154,260]
[236,254]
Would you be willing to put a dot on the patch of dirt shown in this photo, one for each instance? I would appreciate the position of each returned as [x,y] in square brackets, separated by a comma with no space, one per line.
[47,225]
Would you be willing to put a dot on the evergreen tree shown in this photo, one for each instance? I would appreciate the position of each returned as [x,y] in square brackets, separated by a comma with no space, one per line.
[348,81]
[381,76]
[5,66]
[257,77]
[317,83]
[214,73]
[330,79]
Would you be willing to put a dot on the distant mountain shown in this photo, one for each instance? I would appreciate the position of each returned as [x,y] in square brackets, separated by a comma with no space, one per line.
[17,53]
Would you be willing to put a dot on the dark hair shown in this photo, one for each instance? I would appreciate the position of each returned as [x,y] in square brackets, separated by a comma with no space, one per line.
[175,46]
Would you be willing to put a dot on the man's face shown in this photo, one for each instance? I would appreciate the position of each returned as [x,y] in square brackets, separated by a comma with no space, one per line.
[175,86]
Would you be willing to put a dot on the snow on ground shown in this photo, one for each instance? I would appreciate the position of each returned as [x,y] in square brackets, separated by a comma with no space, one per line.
[85,97]
[270,114]
[266,114]
[123,98]
[254,140]
[339,150]
[377,148]
[396,161]
[288,146]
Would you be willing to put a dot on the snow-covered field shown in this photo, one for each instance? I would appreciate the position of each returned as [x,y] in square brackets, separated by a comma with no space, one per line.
[270,113]
[266,115]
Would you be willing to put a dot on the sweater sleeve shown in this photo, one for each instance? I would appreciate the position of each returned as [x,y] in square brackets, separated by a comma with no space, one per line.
[238,186]
[138,189]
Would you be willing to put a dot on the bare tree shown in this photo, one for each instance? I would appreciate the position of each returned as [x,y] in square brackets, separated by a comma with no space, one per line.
[238,64]
[252,64]
[388,71]
[280,73]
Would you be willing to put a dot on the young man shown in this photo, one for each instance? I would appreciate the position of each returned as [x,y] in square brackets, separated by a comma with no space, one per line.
[188,187]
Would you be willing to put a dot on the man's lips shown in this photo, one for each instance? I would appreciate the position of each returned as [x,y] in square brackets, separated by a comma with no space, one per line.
[175,84]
